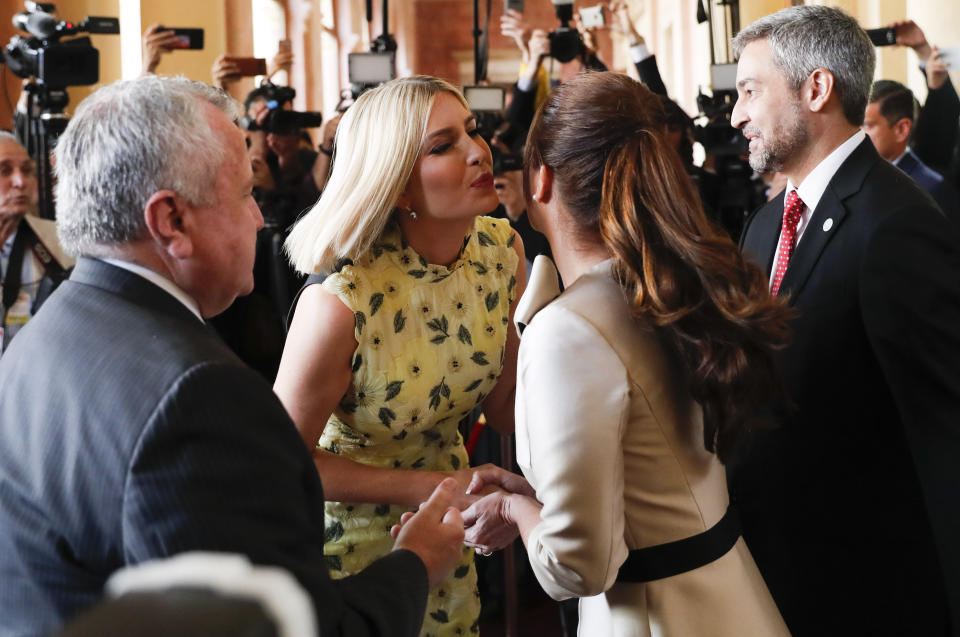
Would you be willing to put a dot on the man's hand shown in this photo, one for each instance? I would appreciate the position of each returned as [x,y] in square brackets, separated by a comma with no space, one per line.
[513,26]
[911,35]
[223,72]
[155,43]
[282,61]
[539,46]
[509,187]
[321,167]
[936,70]
[434,533]
[330,132]
[622,24]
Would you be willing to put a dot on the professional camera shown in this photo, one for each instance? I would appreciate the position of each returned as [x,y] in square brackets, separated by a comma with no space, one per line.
[739,195]
[279,120]
[565,42]
[55,63]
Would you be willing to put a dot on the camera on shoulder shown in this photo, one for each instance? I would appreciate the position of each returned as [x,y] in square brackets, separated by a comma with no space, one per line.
[280,120]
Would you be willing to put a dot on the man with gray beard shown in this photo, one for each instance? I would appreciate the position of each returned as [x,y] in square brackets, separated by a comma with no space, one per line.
[850,506]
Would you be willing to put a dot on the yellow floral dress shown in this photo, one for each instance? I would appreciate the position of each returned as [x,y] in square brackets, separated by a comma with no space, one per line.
[431,346]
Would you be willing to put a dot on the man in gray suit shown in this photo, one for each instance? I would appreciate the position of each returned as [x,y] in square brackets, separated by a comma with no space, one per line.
[128,431]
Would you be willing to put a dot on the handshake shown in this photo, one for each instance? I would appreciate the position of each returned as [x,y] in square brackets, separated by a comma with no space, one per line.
[478,515]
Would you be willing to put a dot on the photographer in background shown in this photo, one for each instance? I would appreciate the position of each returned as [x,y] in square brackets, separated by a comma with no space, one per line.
[299,174]
[889,122]
[29,251]
[936,133]
[536,45]
[508,181]
[288,179]
[724,182]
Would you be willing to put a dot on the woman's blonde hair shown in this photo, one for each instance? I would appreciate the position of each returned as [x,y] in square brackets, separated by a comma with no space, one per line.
[378,142]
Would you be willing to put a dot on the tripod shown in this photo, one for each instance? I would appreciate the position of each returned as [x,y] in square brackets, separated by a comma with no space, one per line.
[45,121]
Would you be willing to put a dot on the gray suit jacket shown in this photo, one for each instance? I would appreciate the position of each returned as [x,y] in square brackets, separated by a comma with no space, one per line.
[128,431]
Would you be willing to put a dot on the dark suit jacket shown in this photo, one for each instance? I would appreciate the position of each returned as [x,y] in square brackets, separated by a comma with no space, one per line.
[933,182]
[850,507]
[128,431]
[649,74]
[937,129]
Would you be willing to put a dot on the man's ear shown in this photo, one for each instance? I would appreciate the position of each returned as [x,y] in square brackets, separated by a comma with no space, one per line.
[543,184]
[165,216]
[818,88]
[901,129]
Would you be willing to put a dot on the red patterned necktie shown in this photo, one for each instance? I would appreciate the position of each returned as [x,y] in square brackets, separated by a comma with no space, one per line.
[792,210]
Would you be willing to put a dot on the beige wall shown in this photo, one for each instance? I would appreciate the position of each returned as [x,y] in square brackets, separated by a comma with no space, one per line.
[207,14]
[939,19]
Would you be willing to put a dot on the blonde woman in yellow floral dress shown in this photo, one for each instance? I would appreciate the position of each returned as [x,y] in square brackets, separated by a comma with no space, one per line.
[409,332]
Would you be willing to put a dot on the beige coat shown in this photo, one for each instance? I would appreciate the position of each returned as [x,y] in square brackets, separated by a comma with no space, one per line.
[612,441]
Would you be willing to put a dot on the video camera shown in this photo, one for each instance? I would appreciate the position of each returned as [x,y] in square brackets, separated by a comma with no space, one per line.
[717,135]
[738,196]
[56,64]
[279,120]
[565,42]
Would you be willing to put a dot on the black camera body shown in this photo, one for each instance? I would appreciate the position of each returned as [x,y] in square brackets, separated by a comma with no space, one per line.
[281,121]
[71,63]
[565,43]
[56,63]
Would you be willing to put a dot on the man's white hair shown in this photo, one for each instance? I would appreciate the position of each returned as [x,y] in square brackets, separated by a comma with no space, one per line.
[127,141]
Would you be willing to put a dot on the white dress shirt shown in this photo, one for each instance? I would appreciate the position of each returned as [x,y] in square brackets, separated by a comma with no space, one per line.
[813,187]
[162,282]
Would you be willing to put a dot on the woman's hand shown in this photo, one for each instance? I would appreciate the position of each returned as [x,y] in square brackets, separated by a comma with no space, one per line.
[488,524]
[490,475]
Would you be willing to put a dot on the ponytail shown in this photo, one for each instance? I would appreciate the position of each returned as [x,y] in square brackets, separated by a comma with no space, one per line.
[679,273]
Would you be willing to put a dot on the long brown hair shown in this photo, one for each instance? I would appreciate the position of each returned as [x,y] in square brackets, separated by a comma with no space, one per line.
[601,135]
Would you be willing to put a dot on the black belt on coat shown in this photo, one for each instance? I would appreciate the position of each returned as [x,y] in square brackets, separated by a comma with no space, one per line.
[672,558]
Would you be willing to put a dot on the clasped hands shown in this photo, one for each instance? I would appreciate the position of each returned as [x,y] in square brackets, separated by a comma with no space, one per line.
[487,491]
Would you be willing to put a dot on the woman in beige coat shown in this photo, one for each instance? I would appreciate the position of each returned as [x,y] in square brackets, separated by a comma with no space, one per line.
[635,383]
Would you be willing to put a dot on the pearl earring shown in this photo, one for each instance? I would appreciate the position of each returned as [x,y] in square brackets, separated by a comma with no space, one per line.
[413,215]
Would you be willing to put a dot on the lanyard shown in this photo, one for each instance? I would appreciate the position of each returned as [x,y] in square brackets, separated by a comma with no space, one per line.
[11,282]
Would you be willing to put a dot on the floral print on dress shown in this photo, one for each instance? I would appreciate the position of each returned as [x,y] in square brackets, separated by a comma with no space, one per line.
[430,340]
